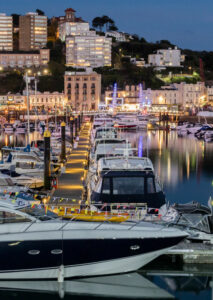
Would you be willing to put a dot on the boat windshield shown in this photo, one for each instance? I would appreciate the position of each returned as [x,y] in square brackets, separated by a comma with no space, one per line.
[195,221]
[39,212]
[128,185]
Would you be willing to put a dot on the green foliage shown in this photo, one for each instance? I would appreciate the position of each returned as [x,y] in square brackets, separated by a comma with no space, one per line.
[56,69]
[15,20]
[51,83]
[113,28]
[100,22]
[12,82]
[129,74]
[57,51]
[40,12]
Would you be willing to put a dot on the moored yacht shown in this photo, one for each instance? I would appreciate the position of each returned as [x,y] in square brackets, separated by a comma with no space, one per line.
[35,244]
[125,180]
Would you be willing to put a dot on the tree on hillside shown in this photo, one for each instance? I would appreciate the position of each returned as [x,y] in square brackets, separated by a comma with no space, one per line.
[40,12]
[107,21]
[98,23]
[113,28]
[15,20]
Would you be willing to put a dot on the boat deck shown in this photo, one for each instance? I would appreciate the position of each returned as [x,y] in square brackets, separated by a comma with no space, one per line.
[70,182]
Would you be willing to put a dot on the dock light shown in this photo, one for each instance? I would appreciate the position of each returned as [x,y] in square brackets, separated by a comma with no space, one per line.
[149,126]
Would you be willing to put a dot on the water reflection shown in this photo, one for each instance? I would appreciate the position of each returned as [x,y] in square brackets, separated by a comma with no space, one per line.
[126,286]
[183,164]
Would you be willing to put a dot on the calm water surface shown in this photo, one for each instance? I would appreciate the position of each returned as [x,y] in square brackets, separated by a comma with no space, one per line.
[184,164]
[185,168]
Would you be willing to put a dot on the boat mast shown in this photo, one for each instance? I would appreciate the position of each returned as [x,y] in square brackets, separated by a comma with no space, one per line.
[28,111]
[35,113]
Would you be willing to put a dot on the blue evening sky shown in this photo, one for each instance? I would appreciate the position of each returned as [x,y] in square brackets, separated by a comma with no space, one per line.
[187,23]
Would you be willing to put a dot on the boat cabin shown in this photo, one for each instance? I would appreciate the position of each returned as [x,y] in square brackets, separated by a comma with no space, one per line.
[105,132]
[111,150]
[127,180]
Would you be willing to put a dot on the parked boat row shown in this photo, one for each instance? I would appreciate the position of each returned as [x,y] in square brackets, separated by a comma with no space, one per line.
[36,243]
[123,220]
[203,132]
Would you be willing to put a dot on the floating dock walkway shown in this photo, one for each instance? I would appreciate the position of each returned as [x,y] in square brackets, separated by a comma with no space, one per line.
[70,183]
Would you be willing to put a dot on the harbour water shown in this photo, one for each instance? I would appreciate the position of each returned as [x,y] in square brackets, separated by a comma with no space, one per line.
[185,168]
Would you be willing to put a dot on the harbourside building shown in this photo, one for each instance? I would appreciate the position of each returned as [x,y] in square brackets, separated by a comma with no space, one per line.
[166,58]
[32,32]
[47,101]
[168,98]
[6,33]
[83,90]
[17,101]
[24,59]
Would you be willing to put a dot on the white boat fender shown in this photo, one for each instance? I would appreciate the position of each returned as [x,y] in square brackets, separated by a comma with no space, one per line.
[61,274]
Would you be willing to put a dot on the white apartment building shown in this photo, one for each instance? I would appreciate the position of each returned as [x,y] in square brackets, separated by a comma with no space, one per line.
[22,60]
[70,25]
[32,32]
[166,58]
[6,33]
[119,36]
[47,100]
[90,50]
[84,48]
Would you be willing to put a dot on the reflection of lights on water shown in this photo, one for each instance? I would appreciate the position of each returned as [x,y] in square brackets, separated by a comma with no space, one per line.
[187,165]
[160,140]
[140,147]
[169,168]
[6,140]
[203,149]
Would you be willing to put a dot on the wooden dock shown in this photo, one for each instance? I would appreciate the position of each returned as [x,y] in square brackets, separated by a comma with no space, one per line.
[193,253]
[70,181]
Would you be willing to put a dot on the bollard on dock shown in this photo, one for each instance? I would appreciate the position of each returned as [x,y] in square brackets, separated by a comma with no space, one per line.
[71,130]
[47,170]
[76,127]
[63,141]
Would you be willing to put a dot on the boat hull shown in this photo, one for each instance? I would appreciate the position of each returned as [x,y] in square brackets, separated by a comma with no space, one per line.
[78,257]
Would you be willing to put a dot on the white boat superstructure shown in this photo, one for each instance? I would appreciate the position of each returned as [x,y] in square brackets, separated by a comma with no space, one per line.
[102,120]
[103,132]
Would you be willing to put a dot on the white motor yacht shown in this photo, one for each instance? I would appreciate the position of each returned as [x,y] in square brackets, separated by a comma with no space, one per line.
[103,132]
[125,180]
[8,128]
[23,180]
[36,244]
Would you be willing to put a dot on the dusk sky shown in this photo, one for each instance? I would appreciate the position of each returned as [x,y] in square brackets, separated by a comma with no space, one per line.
[187,23]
